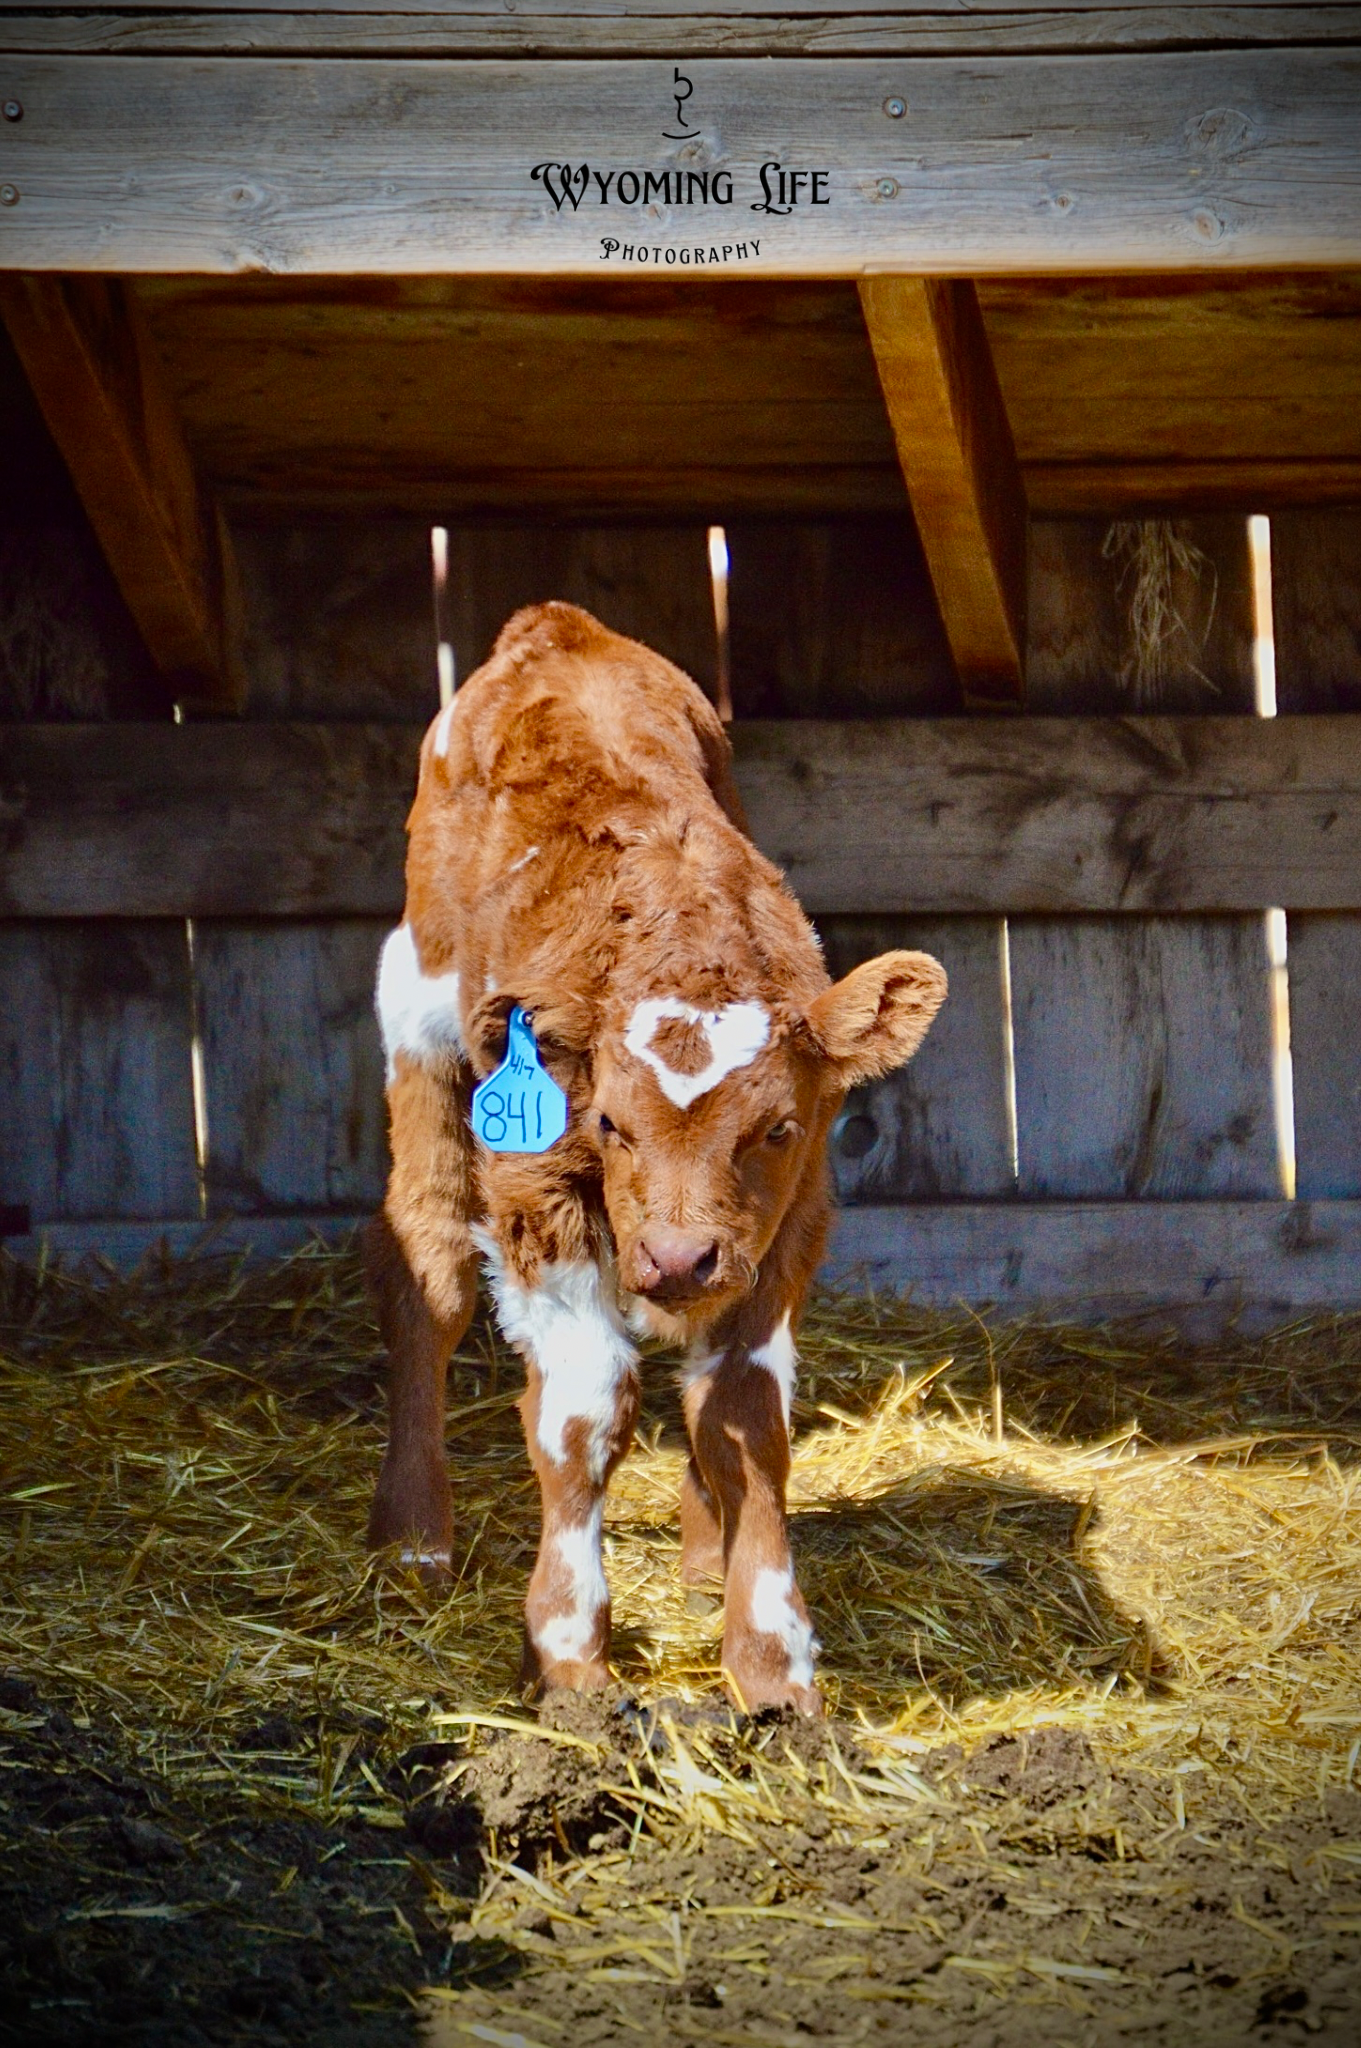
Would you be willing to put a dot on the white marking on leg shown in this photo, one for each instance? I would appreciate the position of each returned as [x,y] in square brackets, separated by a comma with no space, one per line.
[442,724]
[425,1557]
[735,1033]
[568,1636]
[773,1614]
[778,1357]
[570,1326]
[417,1012]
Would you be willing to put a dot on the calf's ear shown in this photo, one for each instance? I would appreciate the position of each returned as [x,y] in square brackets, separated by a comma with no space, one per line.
[874,1019]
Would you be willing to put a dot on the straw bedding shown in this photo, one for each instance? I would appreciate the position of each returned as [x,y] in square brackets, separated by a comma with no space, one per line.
[1091,1612]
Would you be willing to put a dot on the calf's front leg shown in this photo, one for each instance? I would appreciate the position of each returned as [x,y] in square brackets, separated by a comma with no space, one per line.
[737,1410]
[579,1410]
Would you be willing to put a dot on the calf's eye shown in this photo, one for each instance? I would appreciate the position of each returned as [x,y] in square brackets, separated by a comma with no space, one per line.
[606,1127]
[780,1133]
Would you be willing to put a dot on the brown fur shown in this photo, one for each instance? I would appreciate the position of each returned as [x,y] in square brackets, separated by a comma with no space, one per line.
[575,847]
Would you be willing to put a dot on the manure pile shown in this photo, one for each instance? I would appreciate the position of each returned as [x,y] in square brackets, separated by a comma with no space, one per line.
[1090,1603]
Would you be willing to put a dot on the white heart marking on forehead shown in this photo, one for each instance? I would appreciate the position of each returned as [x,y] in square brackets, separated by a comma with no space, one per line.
[735,1033]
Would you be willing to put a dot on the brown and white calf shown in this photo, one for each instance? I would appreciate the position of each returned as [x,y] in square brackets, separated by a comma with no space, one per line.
[576,848]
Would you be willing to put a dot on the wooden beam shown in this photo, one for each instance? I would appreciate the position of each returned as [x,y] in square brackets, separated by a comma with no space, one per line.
[1199,159]
[959,464]
[430,30]
[915,815]
[95,375]
[1250,1264]
[1087,1260]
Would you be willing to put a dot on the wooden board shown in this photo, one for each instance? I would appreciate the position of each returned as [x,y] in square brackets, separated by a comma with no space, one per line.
[1222,158]
[1198,1265]
[649,582]
[206,819]
[633,31]
[1316,600]
[1083,650]
[938,1127]
[913,815]
[96,1110]
[959,464]
[1060,814]
[338,619]
[293,1067]
[835,619]
[461,395]
[1093,1259]
[1143,1057]
[1152,392]
[1324,966]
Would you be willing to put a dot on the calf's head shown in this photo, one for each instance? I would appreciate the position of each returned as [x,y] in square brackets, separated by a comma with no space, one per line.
[709,1120]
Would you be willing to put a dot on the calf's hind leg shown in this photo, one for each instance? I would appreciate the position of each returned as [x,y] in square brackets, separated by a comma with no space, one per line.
[411,1506]
[422,1270]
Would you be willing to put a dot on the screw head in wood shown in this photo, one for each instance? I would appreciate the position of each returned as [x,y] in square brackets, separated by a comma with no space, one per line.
[887,188]
[894,107]
[9,195]
[13,110]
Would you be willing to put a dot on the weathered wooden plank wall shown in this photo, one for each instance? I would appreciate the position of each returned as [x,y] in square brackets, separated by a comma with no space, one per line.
[96,1114]
[1143,1045]
[1142,1041]
[293,1069]
[96,1118]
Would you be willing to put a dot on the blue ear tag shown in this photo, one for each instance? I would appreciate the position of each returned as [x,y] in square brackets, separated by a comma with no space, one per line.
[519,1108]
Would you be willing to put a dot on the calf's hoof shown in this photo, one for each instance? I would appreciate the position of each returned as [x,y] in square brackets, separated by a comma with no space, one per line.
[759,1691]
[539,1674]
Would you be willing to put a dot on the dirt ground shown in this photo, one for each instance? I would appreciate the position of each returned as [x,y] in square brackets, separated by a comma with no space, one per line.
[1091,1610]
[1023,1894]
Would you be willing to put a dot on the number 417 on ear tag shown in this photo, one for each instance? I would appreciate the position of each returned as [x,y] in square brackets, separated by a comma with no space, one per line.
[519,1108]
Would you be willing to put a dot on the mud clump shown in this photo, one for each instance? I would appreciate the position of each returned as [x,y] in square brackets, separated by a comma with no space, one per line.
[535,1794]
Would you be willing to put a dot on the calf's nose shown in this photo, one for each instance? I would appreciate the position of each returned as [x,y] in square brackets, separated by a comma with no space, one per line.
[677,1256]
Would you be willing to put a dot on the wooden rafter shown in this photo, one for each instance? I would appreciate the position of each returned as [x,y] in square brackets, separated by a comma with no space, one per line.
[95,374]
[959,463]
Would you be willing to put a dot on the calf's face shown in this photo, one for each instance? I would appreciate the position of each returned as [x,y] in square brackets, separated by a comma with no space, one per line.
[707,1121]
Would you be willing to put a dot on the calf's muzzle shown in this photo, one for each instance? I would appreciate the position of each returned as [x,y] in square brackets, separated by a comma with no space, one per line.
[675,1265]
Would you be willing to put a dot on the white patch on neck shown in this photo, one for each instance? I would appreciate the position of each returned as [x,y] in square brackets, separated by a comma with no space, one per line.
[570,1327]
[778,1357]
[417,1012]
[735,1033]
[569,1635]
[773,1614]
[442,724]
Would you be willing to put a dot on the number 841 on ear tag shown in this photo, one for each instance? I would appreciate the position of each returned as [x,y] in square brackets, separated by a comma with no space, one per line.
[519,1108]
